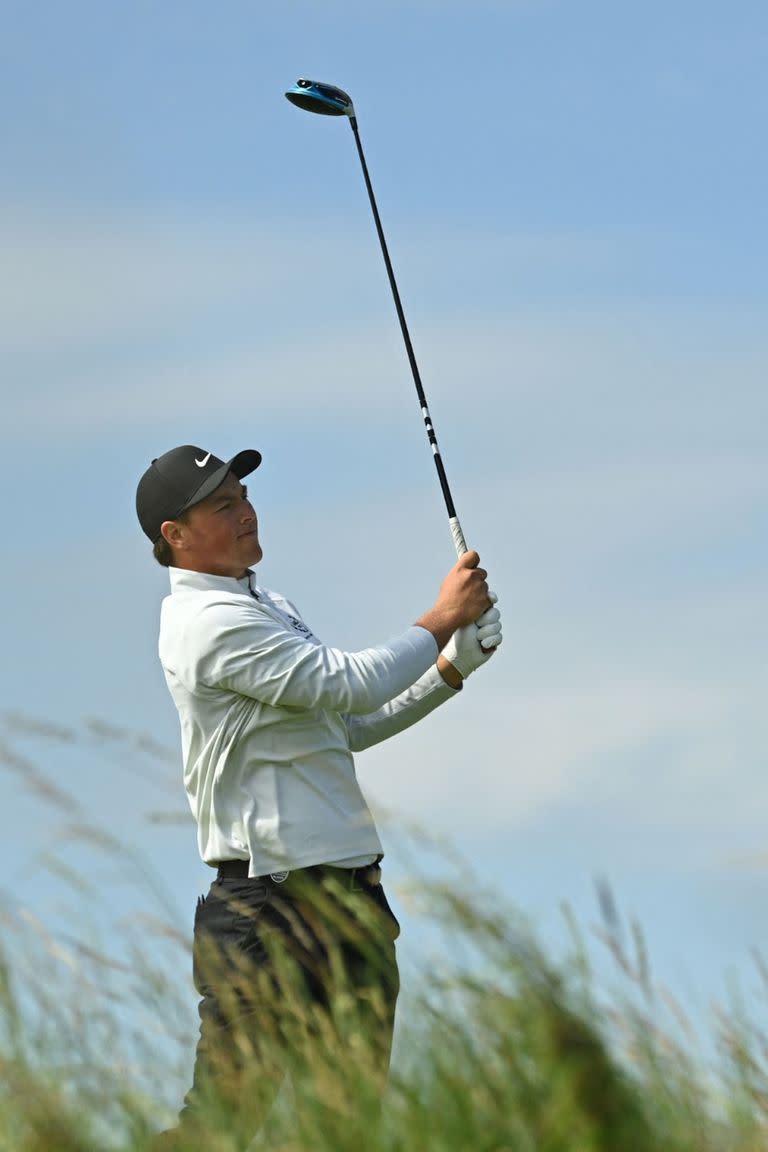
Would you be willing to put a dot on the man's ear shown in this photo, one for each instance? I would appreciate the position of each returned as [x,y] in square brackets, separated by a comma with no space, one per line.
[174,533]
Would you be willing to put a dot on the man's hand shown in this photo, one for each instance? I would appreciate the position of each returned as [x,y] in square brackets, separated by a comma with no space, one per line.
[463,597]
[474,644]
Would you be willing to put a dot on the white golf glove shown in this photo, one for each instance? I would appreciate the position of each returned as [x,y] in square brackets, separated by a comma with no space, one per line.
[473,645]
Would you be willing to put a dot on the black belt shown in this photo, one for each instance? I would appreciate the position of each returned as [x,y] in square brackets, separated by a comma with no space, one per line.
[367,876]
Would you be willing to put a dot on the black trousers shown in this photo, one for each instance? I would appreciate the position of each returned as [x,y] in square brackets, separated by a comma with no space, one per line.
[296,977]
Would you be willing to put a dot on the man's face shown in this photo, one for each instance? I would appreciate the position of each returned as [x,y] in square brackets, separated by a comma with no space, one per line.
[220,535]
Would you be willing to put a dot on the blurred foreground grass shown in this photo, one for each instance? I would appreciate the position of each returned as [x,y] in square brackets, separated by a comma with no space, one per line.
[500,1051]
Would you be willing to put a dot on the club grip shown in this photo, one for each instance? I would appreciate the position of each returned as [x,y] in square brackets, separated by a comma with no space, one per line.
[458,536]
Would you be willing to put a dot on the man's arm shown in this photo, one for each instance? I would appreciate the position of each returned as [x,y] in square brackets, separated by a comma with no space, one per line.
[450,675]
[471,647]
[462,598]
[428,693]
[241,647]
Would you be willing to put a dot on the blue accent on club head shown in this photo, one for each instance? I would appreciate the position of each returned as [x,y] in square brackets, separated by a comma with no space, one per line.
[325,99]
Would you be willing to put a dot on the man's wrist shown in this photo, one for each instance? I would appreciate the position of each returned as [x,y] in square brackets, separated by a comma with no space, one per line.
[449,673]
[441,628]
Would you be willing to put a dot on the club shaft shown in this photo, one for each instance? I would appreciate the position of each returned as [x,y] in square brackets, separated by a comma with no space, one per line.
[458,537]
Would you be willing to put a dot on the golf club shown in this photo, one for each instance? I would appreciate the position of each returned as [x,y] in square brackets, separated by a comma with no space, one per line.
[326,100]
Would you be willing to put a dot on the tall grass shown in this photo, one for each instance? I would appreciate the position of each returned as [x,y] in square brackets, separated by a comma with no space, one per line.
[500,1049]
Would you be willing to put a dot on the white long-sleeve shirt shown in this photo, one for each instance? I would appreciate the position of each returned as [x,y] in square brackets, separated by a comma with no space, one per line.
[270,717]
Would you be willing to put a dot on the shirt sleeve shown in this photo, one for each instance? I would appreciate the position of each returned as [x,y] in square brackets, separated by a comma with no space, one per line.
[416,702]
[242,648]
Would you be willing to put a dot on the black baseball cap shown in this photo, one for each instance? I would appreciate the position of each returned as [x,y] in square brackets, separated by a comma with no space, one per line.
[181,478]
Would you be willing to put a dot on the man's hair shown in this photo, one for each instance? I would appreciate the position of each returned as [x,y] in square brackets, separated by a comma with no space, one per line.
[161,549]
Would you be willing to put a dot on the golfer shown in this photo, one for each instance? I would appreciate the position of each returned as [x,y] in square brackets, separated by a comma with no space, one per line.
[270,717]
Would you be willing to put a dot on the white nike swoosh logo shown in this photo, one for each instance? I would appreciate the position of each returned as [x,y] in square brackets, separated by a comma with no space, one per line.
[202,463]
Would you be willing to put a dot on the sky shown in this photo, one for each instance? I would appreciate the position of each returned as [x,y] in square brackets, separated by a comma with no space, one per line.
[574,199]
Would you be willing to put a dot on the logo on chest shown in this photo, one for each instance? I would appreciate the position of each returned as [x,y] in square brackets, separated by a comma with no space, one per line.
[300,626]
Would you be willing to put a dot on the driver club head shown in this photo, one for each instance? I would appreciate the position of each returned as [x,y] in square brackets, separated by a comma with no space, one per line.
[324,99]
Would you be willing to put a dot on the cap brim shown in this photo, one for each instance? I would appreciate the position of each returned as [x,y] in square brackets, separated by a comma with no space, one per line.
[242,465]
[245,462]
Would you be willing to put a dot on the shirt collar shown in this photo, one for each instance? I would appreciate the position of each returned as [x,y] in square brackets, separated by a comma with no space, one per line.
[183,579]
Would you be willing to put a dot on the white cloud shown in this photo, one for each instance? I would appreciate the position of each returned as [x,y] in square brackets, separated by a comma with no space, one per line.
[654,758]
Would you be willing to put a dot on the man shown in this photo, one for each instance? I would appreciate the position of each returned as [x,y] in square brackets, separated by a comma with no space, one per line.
[270,717]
